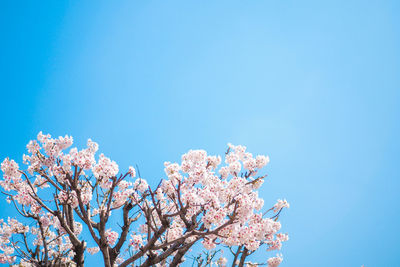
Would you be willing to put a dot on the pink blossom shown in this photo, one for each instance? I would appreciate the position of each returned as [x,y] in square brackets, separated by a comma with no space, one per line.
[141,185]
[132,171]
[93,250]
[136,241]
[105,168]
[275,261]
[208,244]
[280,204]
[262,161]
[111,237]
[222,262]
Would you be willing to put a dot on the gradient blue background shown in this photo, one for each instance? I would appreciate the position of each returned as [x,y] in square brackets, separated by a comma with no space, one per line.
[313,84]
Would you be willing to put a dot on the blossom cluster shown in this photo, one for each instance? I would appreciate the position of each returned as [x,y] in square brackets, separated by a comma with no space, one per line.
[204,198]
[230,207]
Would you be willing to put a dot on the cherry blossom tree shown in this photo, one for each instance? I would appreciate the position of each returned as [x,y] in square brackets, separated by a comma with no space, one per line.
[68,200]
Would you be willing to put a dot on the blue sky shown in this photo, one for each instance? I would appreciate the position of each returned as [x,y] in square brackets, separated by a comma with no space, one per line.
[313,84]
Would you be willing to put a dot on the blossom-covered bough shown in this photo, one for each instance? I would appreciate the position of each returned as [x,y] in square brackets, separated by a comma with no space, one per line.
[66,200]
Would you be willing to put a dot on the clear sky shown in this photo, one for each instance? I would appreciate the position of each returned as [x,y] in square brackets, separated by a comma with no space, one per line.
[313,84]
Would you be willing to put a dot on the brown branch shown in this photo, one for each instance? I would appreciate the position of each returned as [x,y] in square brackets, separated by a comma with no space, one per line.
[243,258]
[146,248]
[236,255]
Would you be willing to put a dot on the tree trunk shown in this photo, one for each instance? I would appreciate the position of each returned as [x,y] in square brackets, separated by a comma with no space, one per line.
[106,257]
[79,257]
